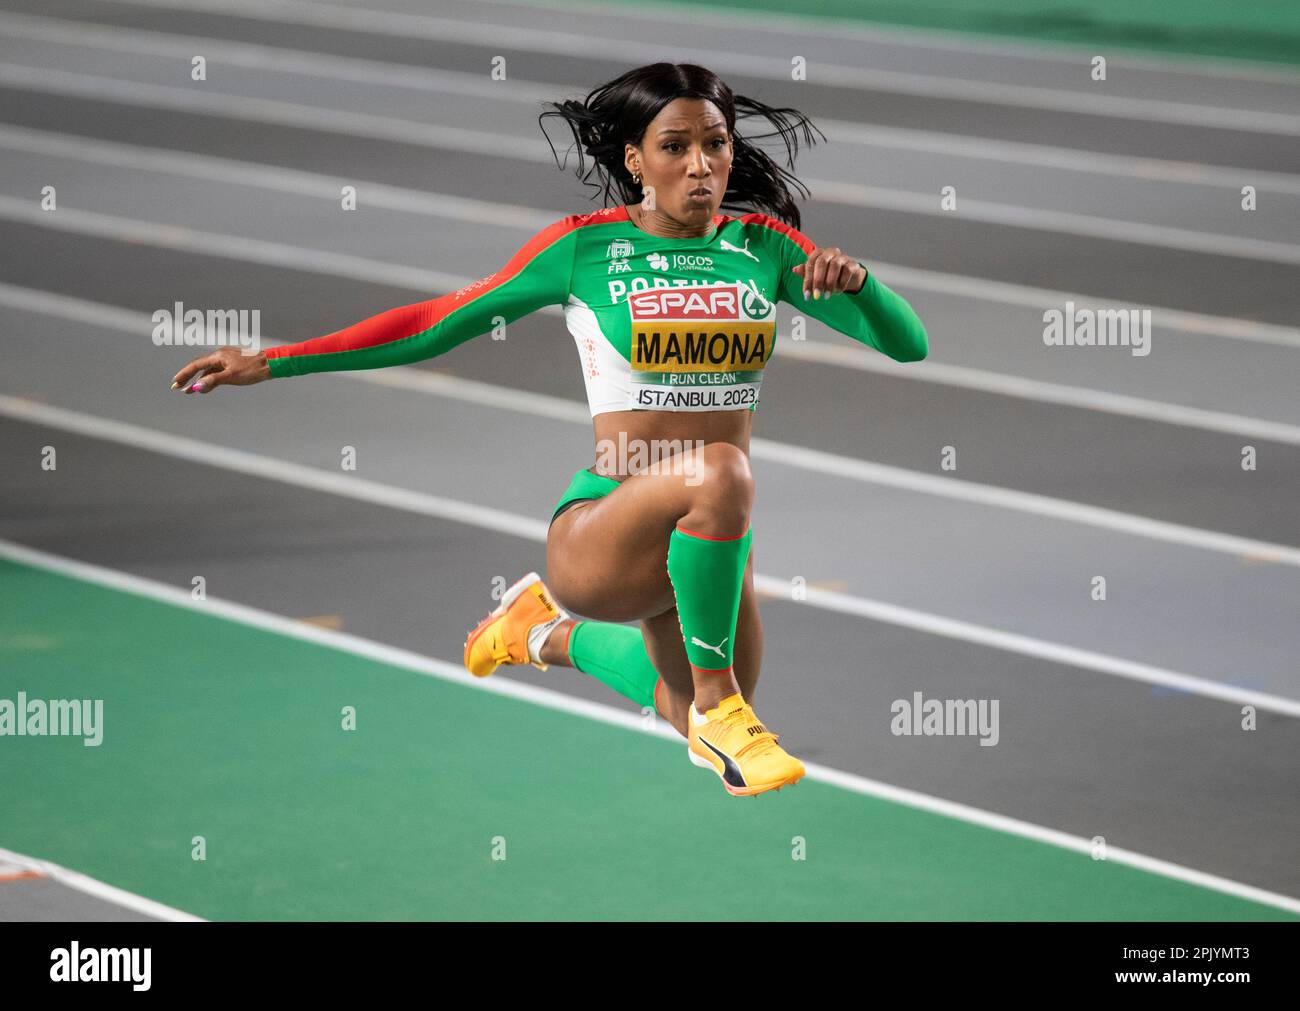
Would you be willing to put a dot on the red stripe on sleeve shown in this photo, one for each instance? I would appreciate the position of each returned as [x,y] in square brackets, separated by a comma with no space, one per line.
[804,243]
[409,320]
[710,537]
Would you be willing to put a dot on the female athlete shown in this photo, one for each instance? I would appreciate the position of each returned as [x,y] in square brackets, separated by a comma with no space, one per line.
[672,305]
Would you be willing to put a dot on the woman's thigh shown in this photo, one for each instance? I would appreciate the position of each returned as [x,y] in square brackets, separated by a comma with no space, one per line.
[607,558]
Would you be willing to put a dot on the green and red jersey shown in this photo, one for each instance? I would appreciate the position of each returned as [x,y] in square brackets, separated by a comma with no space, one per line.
[669,324]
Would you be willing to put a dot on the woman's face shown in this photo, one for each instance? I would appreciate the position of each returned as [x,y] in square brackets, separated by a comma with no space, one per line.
[685,156]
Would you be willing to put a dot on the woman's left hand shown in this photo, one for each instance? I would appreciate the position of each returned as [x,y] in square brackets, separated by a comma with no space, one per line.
[829,270]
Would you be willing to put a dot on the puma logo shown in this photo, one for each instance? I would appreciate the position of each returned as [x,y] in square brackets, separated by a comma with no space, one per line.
[736,249]
[730,770]
[717,649]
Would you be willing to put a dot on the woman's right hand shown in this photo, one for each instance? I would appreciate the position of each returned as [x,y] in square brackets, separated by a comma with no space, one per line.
[228,366]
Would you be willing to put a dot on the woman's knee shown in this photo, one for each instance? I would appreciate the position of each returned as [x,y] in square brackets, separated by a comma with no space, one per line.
[722,490]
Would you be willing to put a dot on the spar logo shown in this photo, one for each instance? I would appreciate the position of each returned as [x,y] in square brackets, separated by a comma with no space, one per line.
[707,328]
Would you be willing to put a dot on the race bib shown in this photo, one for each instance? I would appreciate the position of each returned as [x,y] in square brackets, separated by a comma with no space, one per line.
[699,348]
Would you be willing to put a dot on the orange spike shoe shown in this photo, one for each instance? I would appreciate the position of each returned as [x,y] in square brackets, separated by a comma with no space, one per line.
[527,609]
[730,740]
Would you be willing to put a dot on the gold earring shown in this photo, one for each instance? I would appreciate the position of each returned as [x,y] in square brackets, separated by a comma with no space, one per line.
[636,178]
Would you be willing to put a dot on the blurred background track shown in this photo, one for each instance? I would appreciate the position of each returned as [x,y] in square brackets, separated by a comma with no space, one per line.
[1119,719]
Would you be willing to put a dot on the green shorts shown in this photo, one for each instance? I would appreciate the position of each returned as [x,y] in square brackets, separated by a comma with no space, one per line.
[584,487]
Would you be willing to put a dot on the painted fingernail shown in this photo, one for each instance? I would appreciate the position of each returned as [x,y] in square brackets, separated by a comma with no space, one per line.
[176,386]
[817,293]
[197,388]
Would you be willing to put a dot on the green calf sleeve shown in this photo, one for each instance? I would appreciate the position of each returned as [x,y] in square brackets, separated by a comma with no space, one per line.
[707,575]
[614,654]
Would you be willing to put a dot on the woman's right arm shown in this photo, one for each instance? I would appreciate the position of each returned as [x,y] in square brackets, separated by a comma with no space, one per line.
[537,275]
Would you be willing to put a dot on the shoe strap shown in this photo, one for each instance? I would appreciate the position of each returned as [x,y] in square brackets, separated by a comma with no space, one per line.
[751,718]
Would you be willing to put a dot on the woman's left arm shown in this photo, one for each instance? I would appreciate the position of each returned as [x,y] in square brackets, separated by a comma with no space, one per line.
[838,290]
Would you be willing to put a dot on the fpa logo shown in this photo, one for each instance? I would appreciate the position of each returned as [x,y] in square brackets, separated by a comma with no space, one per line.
[619,249]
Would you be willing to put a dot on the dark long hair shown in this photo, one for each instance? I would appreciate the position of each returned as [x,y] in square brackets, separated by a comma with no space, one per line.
[617,113]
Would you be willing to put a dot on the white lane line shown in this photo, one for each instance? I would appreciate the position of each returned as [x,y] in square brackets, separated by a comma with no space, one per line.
[270,468]
[1046,392]
[537,151]
[529,218]
[75,879]
[451,82]
[1011,499]
[525,527]
[1006,293]
[67,219]
[1039,649]
[638,51]
[172,237]
[1057,222]
[1067,159]
[276,113]
[524,218]
[407,660]
[277,59]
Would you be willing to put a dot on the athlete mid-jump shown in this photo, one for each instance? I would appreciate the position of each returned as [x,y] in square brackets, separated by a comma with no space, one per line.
[673,308]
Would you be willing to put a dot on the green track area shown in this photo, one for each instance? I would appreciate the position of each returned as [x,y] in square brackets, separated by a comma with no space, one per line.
[217,729]
[1264,30]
